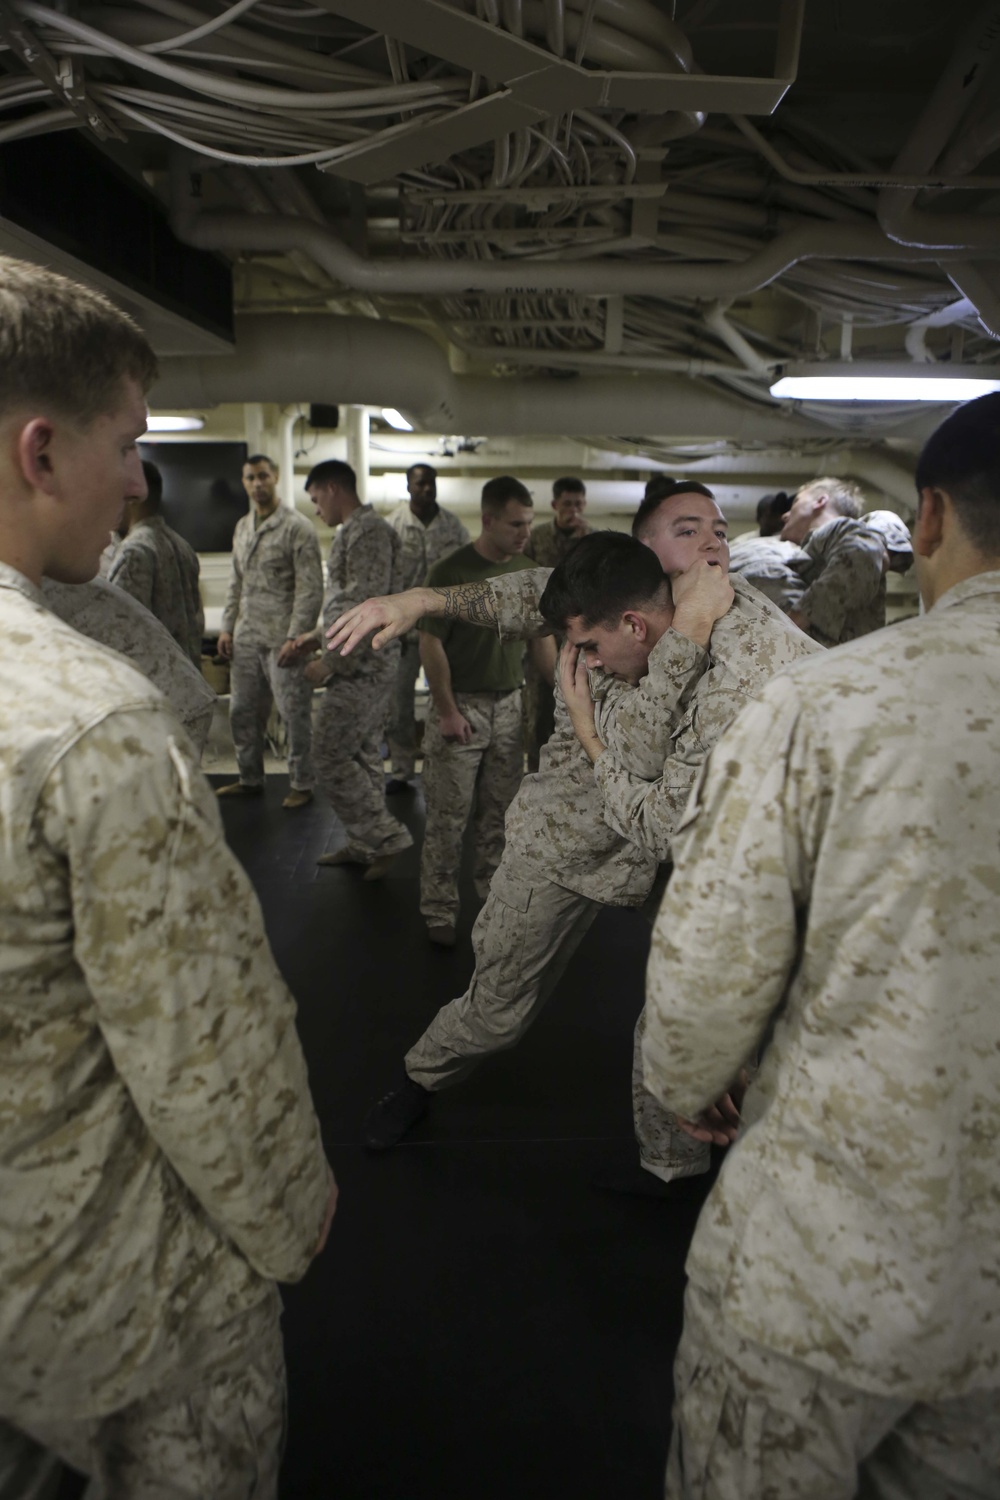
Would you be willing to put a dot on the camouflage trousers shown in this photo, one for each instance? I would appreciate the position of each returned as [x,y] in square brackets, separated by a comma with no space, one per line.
[523,939]
[218,1431]
[349,724]
[478,779]
[255,681]
[401,733]
[750,1424]
[538,712]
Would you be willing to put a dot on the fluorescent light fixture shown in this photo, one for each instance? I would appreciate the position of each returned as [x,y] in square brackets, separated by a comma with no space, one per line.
[396,419]
[883,387]
[174,424]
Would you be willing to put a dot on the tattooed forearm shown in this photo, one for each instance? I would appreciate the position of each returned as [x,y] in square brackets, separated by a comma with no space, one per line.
[472,602]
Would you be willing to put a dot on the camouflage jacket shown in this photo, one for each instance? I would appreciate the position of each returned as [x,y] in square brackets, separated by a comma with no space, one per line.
[365,560]
[547,545]
[845,581]
[160,1159]
[659,734]
[423,546]
[767,563]
[276,586]
[835,900]
[157,567]
[113,618]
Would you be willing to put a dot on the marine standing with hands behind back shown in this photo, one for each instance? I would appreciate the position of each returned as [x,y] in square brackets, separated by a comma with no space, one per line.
[275,594]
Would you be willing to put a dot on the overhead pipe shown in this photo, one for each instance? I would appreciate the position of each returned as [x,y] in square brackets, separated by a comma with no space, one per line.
[367,361]
[959,83]
[275,234]
[719,324]
[916,334]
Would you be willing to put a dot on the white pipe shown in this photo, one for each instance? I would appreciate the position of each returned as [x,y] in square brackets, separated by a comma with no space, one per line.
[958,85]
[716,320]
[372,362]
[358,438]
[273,234]
[287,460]
[916,342]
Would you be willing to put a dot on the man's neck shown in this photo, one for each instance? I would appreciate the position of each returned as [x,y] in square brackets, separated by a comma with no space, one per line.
[18,553]
[425,516]
[262,514]
[349,508]
[486,549]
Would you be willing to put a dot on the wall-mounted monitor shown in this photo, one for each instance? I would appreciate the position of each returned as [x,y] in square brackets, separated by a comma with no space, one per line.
[203,494]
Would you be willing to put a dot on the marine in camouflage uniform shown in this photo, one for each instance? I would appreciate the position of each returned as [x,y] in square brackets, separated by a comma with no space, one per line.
[159,569]
[113,618]
[769,564]
[835,901]
[423,543]
[350,718]
[275,595]
[547,546]
[579,837]
[141,1229]
[844,567]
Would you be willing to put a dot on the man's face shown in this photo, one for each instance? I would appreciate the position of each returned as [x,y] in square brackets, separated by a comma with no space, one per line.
[261,484]
[569,508]
[422,488]
[326,498]
[798,522]
[686,529]
[99,470]
[510,530]
[618,649]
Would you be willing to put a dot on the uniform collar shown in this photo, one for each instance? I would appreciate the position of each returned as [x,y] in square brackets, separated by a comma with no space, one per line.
[11,579]
[969,588]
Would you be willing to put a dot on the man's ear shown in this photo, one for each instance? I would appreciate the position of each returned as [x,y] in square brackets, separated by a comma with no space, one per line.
[636,623]
[34,454]
[820,502]
[928,528]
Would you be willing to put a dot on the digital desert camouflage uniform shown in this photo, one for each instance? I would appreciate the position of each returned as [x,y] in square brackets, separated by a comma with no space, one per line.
[421,547]
[844,575]
[835,901]
[767,563]
[143,1221]
[160,570]
[275,594]
[548,545]
[567,853]
[350,718]
[113,618]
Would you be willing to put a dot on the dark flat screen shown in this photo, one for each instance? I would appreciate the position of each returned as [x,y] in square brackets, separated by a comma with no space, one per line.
[203,494]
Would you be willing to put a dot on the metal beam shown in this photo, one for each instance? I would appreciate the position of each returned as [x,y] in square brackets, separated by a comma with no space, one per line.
[63,79]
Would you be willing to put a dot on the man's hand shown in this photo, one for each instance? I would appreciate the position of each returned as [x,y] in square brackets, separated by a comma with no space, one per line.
[702,595]
[718,1125]
[575,686]
[798,618]
[316,672]
[391,615]
[455,728]
[331,1207]
[294,650]
[225,646]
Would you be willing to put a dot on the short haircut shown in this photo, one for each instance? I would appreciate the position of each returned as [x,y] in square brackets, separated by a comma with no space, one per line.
[771,511]
[429,468]
[65,347]
[333,471]
[260,458]
[568,484]
[845,496]
[496,493]
[647,510]
[606,574]
[154,484]
[656,485]
[963,458]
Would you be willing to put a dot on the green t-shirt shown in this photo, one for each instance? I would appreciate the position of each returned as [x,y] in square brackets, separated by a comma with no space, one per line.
[480,662]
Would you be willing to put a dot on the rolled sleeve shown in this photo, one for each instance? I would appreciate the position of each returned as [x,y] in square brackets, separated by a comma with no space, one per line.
[515,600]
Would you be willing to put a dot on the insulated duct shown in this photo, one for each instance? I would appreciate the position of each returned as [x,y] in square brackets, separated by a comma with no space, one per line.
[366,361]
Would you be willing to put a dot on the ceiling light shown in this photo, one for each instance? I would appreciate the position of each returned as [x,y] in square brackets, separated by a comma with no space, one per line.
[873,382]
[174,424]
[396,419]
